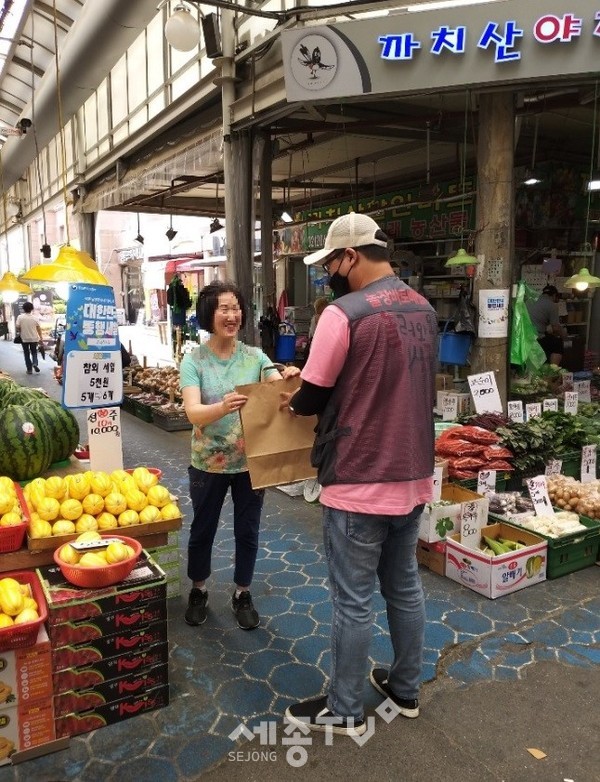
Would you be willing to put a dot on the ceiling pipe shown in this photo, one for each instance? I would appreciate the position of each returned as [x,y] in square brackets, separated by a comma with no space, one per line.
[83,65]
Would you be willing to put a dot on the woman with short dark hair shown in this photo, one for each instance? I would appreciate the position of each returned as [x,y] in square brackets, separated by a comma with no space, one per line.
[209,376]
[30,332]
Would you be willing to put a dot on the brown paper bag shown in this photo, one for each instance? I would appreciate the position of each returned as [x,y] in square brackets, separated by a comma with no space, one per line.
[278,445]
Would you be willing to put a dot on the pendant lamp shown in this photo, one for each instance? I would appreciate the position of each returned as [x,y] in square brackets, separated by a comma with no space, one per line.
[11,288]
[71,265]
[582,280]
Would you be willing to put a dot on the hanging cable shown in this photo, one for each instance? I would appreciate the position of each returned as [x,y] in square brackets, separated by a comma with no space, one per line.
[45,249]
[591,172]
[63,153]
[4,209]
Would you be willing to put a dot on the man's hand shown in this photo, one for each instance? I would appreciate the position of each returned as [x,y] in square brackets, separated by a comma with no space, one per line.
[285,400]
[289,372]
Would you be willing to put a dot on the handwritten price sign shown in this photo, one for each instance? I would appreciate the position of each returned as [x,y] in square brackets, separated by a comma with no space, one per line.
[571,402]
[515,411]
[484,391]
[533,410]
[437,483]
[538,491]
[588,463]
[486,482]
[553,467]
[550,404]
[582,387]
[449,407]
[471,522]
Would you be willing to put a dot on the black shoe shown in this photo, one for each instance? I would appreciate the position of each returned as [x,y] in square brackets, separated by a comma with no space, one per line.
[316,716]
[245,613]
[37,369]
[30,371]
[407,708]
[196,610]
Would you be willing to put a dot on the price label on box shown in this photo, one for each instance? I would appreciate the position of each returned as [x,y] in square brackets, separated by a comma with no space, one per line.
[104,435]
[571,402]
[515,411]
[472,519]
[93,379]
[486,482]
[538,491]
[550,404]
[533,410]
[582,387]
[449,407]
[553,467]
[588,463]
[438,477]
[484,390]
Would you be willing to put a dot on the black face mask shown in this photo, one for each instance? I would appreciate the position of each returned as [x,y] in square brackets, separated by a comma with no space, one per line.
[339,285]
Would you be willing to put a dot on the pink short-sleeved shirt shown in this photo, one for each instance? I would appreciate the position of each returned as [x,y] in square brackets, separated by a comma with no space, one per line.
[325,361]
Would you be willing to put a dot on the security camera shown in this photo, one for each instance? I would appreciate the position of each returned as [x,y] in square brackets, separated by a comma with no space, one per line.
[24,124]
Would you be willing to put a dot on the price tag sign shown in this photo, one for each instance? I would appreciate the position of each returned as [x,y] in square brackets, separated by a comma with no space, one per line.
[553,467]
[550,404]
[449,407]
[588,463]
[93,379]
[104,435]
[538,491]
[515,411]
[486,482]
[437,483]
[571,402]
[471,521]
[567,379]
[582,387]
[533,410]
[484,391]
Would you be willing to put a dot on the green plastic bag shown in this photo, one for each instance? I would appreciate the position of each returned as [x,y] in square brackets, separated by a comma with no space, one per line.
[525,350]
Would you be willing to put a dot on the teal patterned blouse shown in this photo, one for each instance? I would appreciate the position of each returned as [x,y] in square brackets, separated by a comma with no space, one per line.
[219,447]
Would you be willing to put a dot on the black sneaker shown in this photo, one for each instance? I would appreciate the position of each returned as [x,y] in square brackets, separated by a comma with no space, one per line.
[316,716]
[30,371]
[196,610]
[37,369]
[379,680]
[245,613]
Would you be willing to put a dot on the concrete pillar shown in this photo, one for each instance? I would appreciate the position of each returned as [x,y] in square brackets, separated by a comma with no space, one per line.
[494,242]
[266,222]
[86,224]
[239,224]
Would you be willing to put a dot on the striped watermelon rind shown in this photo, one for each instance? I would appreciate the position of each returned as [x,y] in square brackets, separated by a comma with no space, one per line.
[62,424]
[25,443]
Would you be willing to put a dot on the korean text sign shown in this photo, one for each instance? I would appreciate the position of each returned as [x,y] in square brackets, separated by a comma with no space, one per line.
[93,375]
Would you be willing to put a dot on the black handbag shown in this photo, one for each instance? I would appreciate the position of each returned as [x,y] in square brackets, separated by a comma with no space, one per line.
[17,340]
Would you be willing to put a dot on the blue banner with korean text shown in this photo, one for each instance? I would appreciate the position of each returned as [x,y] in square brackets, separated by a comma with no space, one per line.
[93,374]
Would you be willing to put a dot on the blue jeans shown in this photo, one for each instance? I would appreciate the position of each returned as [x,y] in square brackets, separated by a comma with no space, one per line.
[207,492]
[359,546]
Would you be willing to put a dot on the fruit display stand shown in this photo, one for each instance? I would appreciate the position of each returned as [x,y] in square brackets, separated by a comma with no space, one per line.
[109,647]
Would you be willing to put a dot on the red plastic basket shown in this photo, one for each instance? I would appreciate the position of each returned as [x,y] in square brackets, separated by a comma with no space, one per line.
[11,538]
[19,636]
[98,577]
[153,470]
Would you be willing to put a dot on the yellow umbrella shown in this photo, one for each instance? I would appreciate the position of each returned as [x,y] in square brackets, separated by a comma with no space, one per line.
[9,283]
[71,265]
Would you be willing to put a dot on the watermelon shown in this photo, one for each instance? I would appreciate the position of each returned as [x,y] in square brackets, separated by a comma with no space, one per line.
[25,443]
[61,423]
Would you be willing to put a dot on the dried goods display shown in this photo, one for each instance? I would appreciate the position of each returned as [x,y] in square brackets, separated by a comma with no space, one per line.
[572,495]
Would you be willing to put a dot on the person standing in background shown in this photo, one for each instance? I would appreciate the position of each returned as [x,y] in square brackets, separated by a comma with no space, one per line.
[30,332]
[209,376]
[320,303]
[373,356]
[544,316]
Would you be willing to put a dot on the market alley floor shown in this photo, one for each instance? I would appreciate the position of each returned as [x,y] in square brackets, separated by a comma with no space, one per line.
[500,676]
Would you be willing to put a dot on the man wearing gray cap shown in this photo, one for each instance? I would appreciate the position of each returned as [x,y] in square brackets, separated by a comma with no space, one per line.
[370,377]
[544,316]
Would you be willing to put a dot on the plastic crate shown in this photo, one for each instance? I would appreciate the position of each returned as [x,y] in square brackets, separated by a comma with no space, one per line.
[573,552]
[11,538]
[23,635]
[143,411]
[128,405]
[170,422]
[471,483]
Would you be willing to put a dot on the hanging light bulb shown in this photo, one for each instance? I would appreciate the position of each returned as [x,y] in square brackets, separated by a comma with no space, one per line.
[182,30]
[582,281]
[462,258]
[10,284]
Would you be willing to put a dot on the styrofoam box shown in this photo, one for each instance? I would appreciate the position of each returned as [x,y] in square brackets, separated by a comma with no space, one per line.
[502,574]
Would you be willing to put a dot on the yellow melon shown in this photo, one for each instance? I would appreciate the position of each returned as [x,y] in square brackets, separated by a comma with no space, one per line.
[10,519]
[63,527]
[115,503]
[86,523]
[136,499]
[127,518]
[158,496]
[93,504]
[79,486]
[68,554]
[149,514]
[71,509]
[40,529]
[6,501]
[56,487]
[48,508]
[101,483]
[107,521]
[170,511]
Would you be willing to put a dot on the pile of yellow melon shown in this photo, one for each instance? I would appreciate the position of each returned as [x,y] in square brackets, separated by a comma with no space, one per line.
[97,501]
[17,605]
[10,508]
[115,552]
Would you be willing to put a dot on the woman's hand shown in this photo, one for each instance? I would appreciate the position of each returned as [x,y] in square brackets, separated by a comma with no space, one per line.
[285,402]
[289,372]
[232,402]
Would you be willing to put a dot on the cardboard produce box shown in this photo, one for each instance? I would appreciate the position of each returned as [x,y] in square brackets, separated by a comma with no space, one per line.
[91,652]
[136,682]
[140,703]
[66,603]
[26,674]
[440,521]
[24,726]
[86,677]
[432,556]
[127,619]
[499,575]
